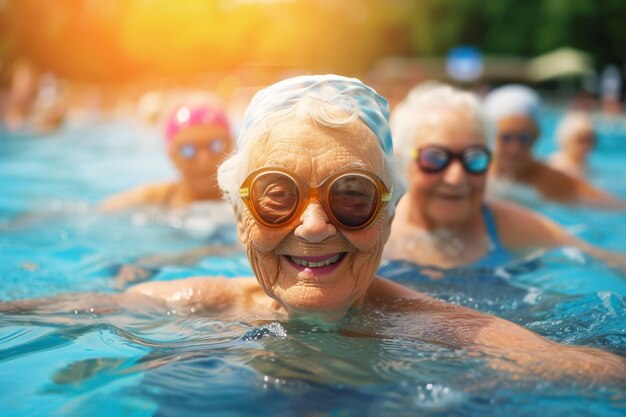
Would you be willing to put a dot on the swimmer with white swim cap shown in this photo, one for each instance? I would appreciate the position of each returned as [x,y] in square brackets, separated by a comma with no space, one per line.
[515,111]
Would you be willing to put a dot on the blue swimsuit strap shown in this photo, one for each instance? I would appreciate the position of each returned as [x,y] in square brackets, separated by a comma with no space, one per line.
[498,254]
[490,223]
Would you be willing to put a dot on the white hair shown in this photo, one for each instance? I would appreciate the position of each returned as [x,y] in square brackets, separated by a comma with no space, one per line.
[572,123]
[336,112]
[414,116]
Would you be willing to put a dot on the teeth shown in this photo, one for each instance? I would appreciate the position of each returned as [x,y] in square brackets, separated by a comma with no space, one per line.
[308,264]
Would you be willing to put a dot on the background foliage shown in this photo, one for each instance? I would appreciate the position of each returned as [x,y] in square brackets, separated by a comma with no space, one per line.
[119,40]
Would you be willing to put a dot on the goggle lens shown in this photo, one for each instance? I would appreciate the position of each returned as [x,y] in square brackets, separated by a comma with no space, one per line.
[475,161]
[187,151]
[353,199]
[433,159]
[275,197]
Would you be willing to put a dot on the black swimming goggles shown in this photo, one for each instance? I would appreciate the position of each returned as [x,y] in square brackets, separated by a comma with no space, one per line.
[523,138]
[433,159]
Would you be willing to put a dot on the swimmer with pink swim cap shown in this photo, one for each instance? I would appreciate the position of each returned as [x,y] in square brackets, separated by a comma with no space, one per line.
[198,139]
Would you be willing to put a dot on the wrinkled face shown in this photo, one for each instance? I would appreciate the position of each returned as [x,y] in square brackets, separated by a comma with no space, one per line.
[450,197]
[197,150]
[311,266]
[515,138]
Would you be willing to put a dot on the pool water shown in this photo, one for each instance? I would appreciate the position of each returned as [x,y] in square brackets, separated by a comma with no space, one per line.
[54,241]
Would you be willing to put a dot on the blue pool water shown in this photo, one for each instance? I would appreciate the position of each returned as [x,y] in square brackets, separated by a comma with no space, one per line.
[141,363]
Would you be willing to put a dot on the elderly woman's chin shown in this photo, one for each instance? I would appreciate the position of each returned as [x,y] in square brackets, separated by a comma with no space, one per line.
[451,211]
[325,296]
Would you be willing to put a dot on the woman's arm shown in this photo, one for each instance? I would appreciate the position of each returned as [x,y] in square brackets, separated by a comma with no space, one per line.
[566,188]
[196,294]
[522,229]
[82,303]
[516,350]
[504,345]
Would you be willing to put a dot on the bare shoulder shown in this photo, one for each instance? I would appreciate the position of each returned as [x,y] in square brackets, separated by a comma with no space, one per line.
[384,292]
[553,184]
[469,326]
[145,194]
[522,228]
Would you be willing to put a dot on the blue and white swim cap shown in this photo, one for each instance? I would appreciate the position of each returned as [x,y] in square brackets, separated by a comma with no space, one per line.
[373,109]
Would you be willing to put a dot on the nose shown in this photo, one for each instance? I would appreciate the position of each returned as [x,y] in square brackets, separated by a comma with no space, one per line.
[513,146]
[455,174]
[314,224]
[203,156]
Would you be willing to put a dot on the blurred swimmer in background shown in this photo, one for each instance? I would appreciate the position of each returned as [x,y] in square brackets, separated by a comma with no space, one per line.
[17,106]
[198,139]
[575,137]
[443,220]
[514,111]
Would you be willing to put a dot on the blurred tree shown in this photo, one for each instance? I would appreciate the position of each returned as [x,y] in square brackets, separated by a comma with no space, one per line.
[76,38]
[118,40]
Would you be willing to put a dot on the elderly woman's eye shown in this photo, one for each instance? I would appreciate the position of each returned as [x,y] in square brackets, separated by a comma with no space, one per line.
[276,200]
[279,197]
[278,191]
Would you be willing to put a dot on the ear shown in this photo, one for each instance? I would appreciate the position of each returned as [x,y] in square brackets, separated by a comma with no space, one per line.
[173,155]
[536,130]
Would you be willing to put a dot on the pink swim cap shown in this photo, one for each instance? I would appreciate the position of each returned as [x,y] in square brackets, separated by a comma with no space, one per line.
[184,117]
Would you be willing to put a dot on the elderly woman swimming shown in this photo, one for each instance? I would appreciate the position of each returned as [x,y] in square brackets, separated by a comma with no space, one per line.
[444,220]
[314,190]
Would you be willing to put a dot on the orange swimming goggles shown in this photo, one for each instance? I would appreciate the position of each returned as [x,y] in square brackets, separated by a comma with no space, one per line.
[352,199]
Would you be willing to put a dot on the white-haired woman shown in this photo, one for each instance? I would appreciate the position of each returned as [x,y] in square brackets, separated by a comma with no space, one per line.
[314,191]
[444,220]
[576,138]
[514,110]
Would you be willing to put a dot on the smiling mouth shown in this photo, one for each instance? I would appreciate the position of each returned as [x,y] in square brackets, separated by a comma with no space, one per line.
[452,196]
[318,264]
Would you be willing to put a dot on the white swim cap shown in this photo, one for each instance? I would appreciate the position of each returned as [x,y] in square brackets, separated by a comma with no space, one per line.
[372,108]
[512,100]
